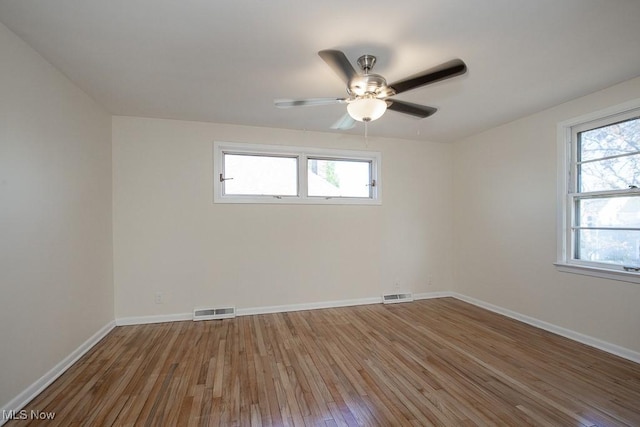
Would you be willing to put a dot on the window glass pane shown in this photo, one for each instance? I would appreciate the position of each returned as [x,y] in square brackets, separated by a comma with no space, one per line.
[611,140]
[611,174]
[610,246]
[260,175]
[339,178]
[609,212]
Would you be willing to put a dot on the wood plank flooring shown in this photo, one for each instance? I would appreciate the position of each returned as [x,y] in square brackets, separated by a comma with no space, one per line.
[431,362]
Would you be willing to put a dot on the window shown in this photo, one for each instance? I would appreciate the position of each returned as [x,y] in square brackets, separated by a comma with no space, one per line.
[252,173]
[600,222]
[339,178]
[260,175]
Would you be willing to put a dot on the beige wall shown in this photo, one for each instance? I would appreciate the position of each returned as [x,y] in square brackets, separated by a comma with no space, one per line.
[56,282]
[169,237]
[505,227]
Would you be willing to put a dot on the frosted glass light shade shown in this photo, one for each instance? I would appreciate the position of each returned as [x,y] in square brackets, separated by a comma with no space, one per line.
[367,109]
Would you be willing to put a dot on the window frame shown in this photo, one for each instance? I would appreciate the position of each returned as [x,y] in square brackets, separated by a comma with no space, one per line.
[302,154]
[568,192]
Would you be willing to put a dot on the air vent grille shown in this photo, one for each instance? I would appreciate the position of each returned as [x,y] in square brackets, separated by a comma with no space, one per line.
[214,313]
[396,298]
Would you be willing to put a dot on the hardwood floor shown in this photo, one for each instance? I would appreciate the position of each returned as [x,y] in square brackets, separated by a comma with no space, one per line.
[431,362]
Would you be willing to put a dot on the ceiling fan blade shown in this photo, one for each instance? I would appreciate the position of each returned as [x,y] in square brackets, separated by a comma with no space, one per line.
[415,110]
[339,63]
[344,123]
[288,103]
[444,71]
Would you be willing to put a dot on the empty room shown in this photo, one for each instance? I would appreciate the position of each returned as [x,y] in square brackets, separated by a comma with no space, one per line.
[332,213]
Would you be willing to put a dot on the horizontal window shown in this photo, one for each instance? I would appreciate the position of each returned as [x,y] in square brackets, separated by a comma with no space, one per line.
[253,173]
[259,175]
[339,178]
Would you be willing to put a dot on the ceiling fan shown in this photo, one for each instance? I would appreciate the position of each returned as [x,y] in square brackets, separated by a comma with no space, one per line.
[369,94]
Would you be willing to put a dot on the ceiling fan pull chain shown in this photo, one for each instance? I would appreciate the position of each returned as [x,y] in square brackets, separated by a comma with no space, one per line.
[366,134]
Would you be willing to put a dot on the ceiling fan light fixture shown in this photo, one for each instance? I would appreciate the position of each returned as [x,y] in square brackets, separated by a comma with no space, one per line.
[367,109]
[369,96]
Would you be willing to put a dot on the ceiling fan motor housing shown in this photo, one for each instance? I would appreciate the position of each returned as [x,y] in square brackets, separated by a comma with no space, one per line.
[368,84]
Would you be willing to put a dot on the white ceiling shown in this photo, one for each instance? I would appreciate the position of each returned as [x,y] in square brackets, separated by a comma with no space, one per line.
[226,61]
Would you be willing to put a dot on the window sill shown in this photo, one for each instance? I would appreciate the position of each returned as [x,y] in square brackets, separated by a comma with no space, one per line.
[284,200]
[604,273]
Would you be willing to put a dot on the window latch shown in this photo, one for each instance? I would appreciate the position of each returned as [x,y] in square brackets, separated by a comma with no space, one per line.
[373,183]
[223,179]
[630,268]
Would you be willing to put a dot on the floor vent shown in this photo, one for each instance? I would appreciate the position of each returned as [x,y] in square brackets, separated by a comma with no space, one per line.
[214,313]
[396,298]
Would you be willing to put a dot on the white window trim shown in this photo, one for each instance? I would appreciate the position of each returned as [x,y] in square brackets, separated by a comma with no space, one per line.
[564,262]
[302,153]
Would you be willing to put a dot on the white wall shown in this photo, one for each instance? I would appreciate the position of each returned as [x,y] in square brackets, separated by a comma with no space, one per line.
[56,282]
[505,227]
[169,237]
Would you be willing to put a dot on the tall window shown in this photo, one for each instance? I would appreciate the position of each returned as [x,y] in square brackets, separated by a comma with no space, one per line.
[602,206]
[252,173]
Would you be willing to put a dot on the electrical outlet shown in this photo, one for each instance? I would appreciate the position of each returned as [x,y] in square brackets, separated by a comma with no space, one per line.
[159,298]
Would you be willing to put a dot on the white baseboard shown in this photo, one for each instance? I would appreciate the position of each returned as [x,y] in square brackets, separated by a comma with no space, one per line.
[623,352]
[162,318]
[307,306]
[142,320]
[430,295]
[178,317]
[21,400]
